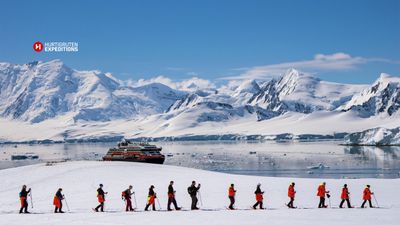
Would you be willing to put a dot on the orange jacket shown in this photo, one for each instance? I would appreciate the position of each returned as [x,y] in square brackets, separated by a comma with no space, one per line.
[345,193]
[321,191]
[367,194]
[22,199]
[57,202]
[291,191]
[231,192]
[150,199]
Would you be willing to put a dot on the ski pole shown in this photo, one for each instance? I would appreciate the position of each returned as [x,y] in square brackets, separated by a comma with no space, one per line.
[201,201]
[30,196]
[134,197]
[66,203]
[375,200]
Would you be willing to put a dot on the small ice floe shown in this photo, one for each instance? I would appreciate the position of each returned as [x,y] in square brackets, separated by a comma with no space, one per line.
[252,152]
[26,156]
[170,155]
[319,167]
[310,172]
[210,154]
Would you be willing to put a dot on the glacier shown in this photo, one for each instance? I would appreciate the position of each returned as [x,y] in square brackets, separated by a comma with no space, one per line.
[376,136]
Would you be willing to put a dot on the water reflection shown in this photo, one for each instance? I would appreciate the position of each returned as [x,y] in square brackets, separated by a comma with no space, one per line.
[312,159]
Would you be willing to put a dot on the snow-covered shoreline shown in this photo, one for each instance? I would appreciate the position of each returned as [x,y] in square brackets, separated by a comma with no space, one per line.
[80,180]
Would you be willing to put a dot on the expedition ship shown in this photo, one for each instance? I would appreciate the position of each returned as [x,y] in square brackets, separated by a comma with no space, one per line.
[135,152]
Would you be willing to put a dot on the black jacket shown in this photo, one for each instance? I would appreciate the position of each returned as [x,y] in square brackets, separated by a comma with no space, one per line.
[100,192]
[171,189]
[258,191]
[59,195]
[127,194]
[193,190]
[24,192]
[151,192]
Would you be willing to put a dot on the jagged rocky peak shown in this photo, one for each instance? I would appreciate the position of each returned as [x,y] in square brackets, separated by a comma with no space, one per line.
[294,80]
[382,97]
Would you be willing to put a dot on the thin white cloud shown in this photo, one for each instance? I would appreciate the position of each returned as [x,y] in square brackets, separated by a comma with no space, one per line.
[191,84]
[175,68]
[320,62]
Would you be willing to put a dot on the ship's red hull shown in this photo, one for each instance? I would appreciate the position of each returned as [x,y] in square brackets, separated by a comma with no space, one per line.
[155,160]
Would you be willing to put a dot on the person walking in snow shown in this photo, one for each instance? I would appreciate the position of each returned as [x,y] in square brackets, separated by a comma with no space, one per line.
[101,198]
[23,195]
[151,199]
[345,196]
[231,195]
[57,201]
[367,196]
[259,197]
[127,195]
[321,193]
[291,194]
[171,197]
[192,190]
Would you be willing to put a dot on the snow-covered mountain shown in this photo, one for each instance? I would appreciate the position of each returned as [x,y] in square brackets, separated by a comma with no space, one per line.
[298,92]
[63,103]
[39,91]
[382,98]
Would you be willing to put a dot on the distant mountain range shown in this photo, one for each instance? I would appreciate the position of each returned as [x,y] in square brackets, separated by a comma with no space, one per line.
[69,104]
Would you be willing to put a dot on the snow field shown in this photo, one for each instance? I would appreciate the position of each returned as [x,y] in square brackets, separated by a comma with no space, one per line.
[80,180]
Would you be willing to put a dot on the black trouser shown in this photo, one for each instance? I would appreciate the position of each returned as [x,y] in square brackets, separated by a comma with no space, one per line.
[194,201]
[56,209]
[348,203]
[101,206]
[232,199]
[173,201]
[365,201]
[147,207]
[258,203]
[321,202]
[290,204]
[24,207]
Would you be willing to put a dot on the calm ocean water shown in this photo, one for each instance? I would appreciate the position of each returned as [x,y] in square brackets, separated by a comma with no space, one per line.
[291,159]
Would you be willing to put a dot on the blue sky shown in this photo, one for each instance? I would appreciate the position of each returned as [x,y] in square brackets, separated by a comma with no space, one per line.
[349,41]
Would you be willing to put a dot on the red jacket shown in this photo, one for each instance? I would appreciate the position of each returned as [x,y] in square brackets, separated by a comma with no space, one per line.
[321,191]
[367,194]
[345,193]
[291,191]
[259,197]
[231,192]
